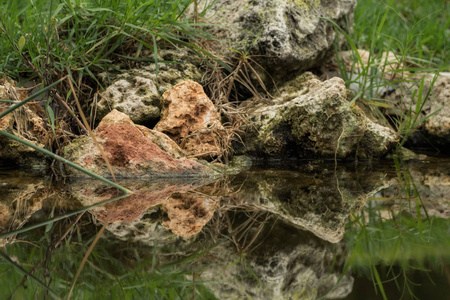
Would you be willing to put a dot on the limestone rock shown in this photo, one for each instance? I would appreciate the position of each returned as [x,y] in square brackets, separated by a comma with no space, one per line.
[289,36]
[435,130]
[188,213]
[191,120]
[130,152]
[312,197]
[311,118]
[138,92]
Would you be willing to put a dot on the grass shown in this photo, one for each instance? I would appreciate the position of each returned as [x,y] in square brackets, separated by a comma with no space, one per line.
[44,41]
[47,41]
[421,27]
[61,45]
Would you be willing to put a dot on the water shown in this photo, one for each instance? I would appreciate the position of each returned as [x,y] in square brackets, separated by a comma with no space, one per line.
[281,230]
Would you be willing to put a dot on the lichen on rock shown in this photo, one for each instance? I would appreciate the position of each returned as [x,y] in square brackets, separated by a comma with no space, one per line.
[285,36]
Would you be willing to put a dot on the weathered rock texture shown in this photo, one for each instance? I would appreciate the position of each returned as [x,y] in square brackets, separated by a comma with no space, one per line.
[435,130]
[311,118]
[290,35]
[27,123]
[191,120]
[130,152]
[138,92]
[431,178]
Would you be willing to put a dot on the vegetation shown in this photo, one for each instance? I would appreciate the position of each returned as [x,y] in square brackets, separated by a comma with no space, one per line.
[392,43]
[417,28]
[61,45]
[42,42]
[386,245]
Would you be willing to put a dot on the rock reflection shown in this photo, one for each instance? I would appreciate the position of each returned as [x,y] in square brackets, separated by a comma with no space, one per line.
[173,204]
[20,197]
[285,263]
[317,200]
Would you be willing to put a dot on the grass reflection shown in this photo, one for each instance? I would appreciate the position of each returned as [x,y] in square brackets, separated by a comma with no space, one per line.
[388,243]
[114,270]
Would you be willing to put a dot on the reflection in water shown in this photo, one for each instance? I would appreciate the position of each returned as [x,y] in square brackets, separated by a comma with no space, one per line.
[276,232]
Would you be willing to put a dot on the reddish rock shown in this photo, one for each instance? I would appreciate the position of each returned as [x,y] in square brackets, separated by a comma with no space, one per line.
[130,152]
[191,120]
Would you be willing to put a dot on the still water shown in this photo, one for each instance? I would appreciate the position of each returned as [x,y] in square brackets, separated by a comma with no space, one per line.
[279,230]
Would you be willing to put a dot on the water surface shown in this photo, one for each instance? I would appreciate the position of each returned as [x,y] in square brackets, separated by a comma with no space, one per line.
[280,230]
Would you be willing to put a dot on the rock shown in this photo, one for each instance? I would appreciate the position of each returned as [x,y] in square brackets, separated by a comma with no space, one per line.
[138,92]
[310,119]
[163,141]
[430,177]
[191,120]
[22,197]
[435,130]
[130,152]
[27,123]
[288,36]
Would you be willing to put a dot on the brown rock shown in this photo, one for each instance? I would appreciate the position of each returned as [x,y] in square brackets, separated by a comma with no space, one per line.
[191,120]
[130,152]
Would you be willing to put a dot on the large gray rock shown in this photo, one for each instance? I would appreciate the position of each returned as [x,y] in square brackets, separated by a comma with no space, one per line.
[313,197]
[138,92]
[311,118]
[289,34]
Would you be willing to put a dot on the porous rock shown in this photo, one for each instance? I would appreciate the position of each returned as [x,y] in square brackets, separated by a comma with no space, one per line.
[130,152]
[285,36]
[137,92]
[191,120]
[311,118]
[435,129]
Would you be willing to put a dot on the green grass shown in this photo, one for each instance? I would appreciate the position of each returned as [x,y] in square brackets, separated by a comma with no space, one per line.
[390,249]
[82,37]
[43,41]
[422,27]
